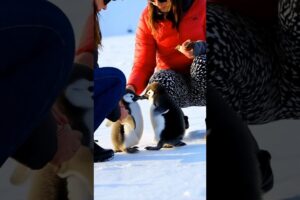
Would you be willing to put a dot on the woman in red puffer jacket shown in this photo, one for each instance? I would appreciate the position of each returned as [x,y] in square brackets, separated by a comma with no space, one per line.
[169,44]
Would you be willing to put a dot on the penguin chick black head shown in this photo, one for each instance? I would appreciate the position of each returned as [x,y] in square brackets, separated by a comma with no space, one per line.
[130,96]
[76,101]
[153,90]
[79,91]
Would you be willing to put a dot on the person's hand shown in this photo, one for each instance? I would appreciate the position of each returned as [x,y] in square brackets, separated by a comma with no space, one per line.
[187,49]
[123,111]
[68,142]
[100,5]
[86,59]
[130,87]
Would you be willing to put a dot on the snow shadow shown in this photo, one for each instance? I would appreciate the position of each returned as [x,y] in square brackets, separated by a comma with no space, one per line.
[196,134]
[120,185]
[187,154]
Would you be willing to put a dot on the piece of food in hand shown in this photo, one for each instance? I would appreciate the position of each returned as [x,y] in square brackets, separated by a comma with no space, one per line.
[187,46]
[178,47]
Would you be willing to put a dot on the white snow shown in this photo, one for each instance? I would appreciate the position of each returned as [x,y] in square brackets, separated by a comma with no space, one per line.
[178,173]
[121,17]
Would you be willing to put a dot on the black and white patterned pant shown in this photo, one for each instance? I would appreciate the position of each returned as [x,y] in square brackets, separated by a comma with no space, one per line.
[256,67]
[185,90]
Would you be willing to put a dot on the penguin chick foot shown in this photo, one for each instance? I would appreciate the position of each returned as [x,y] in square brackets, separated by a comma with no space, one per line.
[132,150]
[180,144]
[152,148]
[168,146]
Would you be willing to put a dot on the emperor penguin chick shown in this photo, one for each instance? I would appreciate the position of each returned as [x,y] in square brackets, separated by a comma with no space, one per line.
[127,134]
[167,118]
[77,103]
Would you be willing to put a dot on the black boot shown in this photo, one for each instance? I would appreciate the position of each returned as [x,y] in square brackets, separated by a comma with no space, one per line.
[101,155]
[264,159]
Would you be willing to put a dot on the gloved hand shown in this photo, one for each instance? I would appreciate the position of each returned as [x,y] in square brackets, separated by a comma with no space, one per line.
[192,49]
[130,88]
[199,48]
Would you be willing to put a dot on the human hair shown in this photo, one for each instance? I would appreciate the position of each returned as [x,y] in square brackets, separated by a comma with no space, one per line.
[174,15]
[97,31]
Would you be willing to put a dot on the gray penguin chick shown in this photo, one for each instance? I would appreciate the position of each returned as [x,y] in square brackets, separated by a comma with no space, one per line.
[168,120]
[127,134]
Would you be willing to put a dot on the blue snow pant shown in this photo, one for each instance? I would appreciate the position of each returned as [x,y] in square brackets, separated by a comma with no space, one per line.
[109,87]
[37,51]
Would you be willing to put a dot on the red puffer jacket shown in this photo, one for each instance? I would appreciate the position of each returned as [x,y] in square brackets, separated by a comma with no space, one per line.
[158,50]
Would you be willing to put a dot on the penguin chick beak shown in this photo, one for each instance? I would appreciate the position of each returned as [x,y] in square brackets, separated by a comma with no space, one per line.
[136,97]
[142,97]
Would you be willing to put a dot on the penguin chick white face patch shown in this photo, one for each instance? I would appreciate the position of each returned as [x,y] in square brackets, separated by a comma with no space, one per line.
[128,97]
[80,94]
[150,94]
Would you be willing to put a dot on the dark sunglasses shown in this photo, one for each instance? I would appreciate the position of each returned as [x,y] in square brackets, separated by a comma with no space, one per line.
[160,1]
[106,1]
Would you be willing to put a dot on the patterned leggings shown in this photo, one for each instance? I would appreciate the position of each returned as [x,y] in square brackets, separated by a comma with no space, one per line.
[256,67]
[185,90]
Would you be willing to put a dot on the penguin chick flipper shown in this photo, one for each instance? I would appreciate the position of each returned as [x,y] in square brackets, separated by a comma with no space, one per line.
[20,174]
[129,120]
[108,123]
[81,167]
[180,144]
[132,150]
[186,122]
[161,110]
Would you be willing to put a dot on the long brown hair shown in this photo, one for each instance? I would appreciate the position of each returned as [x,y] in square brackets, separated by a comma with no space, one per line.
[97,32]
[174,15]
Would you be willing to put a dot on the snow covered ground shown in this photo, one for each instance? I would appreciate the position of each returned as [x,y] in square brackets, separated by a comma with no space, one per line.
[178,173]
[127,12]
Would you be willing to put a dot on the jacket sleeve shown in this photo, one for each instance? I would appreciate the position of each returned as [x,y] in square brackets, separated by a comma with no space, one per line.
[144,56]
[40,147]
